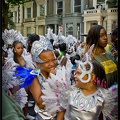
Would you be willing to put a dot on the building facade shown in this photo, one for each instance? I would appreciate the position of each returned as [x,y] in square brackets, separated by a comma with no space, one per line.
[74,17]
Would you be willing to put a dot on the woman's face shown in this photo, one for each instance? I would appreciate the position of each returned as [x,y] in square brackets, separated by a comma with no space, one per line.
[50,61]
[78,83]
[18,49]
[103,38]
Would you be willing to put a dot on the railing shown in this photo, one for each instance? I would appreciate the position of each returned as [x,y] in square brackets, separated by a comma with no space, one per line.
[93,11]
[29,19]
[65,15]
[72,14]
[41,18]
[112,10]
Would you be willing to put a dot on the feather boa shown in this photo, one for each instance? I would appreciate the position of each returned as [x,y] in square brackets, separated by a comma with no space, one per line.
[25,76]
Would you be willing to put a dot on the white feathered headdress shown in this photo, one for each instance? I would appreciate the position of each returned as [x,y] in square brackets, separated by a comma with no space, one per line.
[9,36]
[70,42]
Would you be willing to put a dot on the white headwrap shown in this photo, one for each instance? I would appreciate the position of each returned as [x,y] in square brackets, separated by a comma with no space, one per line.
[38,47]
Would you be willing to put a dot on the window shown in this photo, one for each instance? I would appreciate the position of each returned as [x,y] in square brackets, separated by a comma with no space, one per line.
[69,29]
[114,25]
[59,8]
[100,0]
[48,7]
[77,6]
[42,10]
[15,16]
[78,31]
[28,12]
[28,31]
[95,23]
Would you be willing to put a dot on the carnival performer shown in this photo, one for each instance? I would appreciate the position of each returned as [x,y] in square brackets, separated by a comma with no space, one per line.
[31,38]
[70,43]
[43,54]
[60,42]
[31,103]
[17,56]
[86,100]
[8,37]
[80,50]
[97,35]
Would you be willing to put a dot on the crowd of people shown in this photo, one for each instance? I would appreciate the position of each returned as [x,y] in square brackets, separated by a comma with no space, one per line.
[54,77]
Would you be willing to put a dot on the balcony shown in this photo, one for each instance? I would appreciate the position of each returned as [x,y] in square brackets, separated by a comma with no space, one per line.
[93,11]
[40,18]
[112,10]
[72,15]
[103,12]
[29,20]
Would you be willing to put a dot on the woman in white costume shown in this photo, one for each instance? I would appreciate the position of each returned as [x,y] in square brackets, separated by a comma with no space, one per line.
[17,56]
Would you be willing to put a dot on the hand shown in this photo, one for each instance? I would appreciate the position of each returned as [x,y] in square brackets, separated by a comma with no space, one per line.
[115,53]
[53,71]
[9,93]
[15,88]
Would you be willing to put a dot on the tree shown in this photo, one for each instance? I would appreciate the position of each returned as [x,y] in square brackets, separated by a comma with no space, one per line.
[5,10]
[113,2]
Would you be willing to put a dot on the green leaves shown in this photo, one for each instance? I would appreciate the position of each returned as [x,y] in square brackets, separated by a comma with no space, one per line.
[15,2]
[6,15]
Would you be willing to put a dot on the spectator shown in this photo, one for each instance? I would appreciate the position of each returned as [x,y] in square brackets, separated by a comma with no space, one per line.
[97,35]
[10,108]
[114,40]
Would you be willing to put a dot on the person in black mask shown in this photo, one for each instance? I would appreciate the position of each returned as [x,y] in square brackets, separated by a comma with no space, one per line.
[114,40]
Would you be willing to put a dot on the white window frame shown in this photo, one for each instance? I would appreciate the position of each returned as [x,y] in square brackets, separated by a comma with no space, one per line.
[29,13]
[67,31]
[76,6]
[28,29]
[40,9]
[59,8]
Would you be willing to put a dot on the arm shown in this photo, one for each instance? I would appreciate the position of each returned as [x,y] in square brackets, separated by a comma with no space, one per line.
[64,61]
[37,92]
[60,115]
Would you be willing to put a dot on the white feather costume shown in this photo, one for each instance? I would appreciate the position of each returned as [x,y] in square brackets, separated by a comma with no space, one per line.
[8,81]
[59,94]
[54,88]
